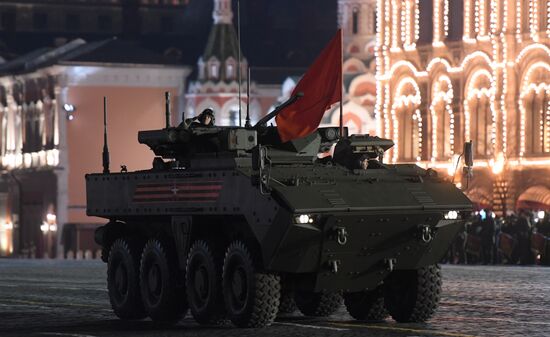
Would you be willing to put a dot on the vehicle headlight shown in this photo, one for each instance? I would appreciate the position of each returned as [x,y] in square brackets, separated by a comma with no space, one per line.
[452,215]
[303,219]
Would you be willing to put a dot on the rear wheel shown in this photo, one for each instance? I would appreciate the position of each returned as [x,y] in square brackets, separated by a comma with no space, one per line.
[204,283]
[321,304]
[413,295]
[161,290]
[287,304]
[366,305]
[123,280]
[251,298]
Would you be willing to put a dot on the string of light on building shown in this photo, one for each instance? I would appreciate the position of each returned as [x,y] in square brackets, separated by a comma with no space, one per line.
[485,78]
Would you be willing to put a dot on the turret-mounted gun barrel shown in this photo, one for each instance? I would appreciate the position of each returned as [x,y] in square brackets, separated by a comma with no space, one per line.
[274,113]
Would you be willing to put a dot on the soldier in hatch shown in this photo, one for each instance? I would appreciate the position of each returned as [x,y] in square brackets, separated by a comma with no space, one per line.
[343,154]
[205,119]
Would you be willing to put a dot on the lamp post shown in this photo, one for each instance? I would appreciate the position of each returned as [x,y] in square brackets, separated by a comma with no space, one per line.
[48,228]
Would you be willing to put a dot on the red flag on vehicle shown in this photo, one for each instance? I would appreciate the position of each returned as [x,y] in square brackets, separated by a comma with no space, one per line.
[321,86]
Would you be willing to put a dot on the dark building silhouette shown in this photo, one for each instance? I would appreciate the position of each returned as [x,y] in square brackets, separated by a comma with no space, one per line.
[274,33]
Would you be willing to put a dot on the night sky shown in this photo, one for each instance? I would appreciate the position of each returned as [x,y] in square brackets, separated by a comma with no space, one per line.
[275,33]
[282,33]
[287,32]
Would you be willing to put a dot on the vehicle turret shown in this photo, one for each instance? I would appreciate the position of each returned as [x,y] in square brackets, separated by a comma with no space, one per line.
[176,143]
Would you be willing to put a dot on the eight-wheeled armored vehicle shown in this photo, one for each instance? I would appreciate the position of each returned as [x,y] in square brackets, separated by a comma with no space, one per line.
[232,223]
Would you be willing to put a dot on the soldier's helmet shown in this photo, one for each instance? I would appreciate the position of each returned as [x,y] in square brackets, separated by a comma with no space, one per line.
[207,112]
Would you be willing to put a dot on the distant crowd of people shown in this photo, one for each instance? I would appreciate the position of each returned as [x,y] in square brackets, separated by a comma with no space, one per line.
[522,238]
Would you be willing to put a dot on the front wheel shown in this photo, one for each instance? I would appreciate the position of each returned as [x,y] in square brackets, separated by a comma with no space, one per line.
[366,305]
[413,295]
[251,298]
[321,304]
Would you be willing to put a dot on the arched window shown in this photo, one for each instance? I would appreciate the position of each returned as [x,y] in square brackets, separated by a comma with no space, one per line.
[534,16]
[202,69]
[441,20]
[407,122]
[481,122]
[470,18]
[455,19]
[524,14]
[538,17]
[538,135]
[442,119]
[535,110]
[479,116]
[230,73]
[409,23]
[355,21]
[426,18]
[234,116]
[482,14]
[410,122]
[214,71]
[396,23]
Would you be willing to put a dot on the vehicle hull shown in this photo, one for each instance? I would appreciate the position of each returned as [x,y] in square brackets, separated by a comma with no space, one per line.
[379,237]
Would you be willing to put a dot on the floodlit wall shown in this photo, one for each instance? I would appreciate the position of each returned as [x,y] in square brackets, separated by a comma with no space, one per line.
[129,110]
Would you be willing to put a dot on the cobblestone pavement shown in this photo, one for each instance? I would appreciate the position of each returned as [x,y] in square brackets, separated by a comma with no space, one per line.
[69,298]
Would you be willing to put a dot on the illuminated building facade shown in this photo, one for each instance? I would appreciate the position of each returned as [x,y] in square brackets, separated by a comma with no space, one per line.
[357,19]
[450,71]
[51,132]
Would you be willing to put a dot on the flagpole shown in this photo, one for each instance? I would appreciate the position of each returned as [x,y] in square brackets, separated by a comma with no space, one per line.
[342,86]
[239,58]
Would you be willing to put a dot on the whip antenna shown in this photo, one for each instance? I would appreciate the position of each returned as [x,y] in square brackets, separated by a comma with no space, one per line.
[105,146]
[167,99]
[239,75]
[247,123]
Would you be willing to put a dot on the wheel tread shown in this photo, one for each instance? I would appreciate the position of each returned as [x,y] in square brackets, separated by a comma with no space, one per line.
[287,303]
[173,306]
[216,313]
[133,309]
[426,287]
[265,296]
[322,304]
[367,305]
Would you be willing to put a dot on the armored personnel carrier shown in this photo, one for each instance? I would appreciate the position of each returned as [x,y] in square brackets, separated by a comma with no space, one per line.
[232,223]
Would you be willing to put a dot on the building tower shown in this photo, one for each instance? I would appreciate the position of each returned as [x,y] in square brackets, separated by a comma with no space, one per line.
[357,18]
[217,85]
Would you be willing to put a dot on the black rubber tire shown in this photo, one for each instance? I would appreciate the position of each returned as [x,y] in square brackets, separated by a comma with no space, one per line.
[203,283]
[251,298]
[162,290]
[123,280]
[367,305]
[413,295]
[287,304]
[321,304]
